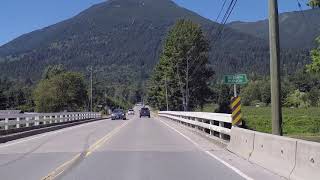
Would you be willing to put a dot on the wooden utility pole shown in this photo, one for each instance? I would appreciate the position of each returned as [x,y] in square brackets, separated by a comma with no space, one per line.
[166,84]
[91,91]
[275,68]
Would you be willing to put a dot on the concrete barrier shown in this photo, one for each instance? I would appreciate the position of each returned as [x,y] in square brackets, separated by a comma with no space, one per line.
[307,161]
[274,153]
[241,142]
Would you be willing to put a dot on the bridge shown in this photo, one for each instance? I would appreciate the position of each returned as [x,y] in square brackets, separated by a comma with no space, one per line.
[169,145]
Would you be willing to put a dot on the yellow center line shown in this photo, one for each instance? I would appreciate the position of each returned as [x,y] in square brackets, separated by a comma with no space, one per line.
[55,173]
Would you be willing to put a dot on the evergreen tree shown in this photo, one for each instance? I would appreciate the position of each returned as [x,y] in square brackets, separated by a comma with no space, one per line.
[183,67]
[315,56]
[3,101]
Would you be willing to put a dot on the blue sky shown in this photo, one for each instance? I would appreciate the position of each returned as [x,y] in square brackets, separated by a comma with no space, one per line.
[18,17]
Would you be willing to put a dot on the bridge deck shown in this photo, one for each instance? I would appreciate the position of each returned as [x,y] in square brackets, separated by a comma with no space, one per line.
[137,149]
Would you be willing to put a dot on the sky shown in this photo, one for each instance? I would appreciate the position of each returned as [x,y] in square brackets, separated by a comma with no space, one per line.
[18,17]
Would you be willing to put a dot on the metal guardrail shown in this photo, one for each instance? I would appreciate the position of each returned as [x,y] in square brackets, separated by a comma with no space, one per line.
[216,124]
[16,121]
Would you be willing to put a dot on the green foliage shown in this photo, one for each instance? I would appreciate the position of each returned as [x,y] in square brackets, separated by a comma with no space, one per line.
[64,91]
[3,100]
[251,93]
[315,56]
[53,70]
[256,92]
[314,3]
[298,99]
[14,94]
[223,98]
[295,120]
[314,97]
[183,66]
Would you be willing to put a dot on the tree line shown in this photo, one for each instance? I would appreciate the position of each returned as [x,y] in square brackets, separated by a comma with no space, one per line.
[59,90]
[183,77]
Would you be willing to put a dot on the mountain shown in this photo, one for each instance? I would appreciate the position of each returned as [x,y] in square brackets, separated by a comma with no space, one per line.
[122,39]
[297,29]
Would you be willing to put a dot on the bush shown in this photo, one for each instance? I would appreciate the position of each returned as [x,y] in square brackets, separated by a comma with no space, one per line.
[298,99]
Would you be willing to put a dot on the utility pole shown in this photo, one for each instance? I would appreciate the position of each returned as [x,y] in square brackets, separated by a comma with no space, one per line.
[275,68]
[166,93]
[187,86]
[91,91]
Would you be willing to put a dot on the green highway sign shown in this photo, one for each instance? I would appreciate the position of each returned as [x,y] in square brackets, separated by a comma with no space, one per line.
[235,79]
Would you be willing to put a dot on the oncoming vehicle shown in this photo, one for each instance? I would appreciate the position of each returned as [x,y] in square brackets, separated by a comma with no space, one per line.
[118,114]
[144,112]
[130,112]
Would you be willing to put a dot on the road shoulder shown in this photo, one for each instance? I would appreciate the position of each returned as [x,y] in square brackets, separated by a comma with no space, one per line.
[219,152]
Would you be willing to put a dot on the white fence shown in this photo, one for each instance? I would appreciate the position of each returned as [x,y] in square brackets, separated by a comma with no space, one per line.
[215,124]
[14,121]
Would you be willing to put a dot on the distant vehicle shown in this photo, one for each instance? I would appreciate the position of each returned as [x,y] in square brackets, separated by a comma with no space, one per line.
[144,112]
[130,112]
[118,114]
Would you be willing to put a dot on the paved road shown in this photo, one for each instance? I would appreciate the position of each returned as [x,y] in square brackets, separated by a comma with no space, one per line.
[137,149]
[34,157]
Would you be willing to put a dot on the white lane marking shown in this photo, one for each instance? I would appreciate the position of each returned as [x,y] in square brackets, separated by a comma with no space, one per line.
[210,154]
[45,134]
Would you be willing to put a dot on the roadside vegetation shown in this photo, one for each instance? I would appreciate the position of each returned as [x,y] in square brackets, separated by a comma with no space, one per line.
[60,90]
[183,71]
[300,101]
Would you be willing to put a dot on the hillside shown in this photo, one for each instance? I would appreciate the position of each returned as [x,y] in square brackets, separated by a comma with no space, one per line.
[297,29]
[122,39]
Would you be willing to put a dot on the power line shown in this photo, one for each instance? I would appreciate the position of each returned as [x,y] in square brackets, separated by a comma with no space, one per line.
[225,19]
[226,16]
[223,5]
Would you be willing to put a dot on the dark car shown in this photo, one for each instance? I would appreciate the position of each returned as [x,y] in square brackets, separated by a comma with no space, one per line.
[118,114]
[144,112]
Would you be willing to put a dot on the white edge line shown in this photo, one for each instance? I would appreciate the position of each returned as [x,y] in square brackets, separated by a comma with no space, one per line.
[210,154]
[45,134]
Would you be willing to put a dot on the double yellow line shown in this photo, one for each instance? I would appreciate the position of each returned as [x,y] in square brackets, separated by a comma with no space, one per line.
[62,168]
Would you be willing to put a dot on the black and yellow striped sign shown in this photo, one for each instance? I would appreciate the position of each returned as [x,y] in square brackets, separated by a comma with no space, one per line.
[236,110]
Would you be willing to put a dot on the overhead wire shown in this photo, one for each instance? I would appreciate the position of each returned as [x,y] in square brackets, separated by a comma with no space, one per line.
[219,33]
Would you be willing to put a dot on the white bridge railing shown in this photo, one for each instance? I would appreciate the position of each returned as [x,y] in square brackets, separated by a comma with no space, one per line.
[15,121]
[216,124]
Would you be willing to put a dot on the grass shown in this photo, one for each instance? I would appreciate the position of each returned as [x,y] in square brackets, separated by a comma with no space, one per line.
[301,123]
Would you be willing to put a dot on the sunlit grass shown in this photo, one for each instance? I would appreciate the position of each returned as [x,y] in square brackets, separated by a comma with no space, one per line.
[303,123]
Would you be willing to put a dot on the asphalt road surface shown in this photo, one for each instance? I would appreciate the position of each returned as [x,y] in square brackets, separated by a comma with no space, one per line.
[136,149]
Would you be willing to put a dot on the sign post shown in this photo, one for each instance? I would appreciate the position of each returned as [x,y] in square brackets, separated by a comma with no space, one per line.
[237,79]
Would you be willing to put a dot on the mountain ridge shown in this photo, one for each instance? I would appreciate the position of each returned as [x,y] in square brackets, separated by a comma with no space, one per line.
[298,29]
[123,39]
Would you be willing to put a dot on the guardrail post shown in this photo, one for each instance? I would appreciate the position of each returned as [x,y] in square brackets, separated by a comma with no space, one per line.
[36,120]
[6,121]
[60,118]
[221,124]
[27,121]
[44,120]
[18,122]
[56,118]
[210,127]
